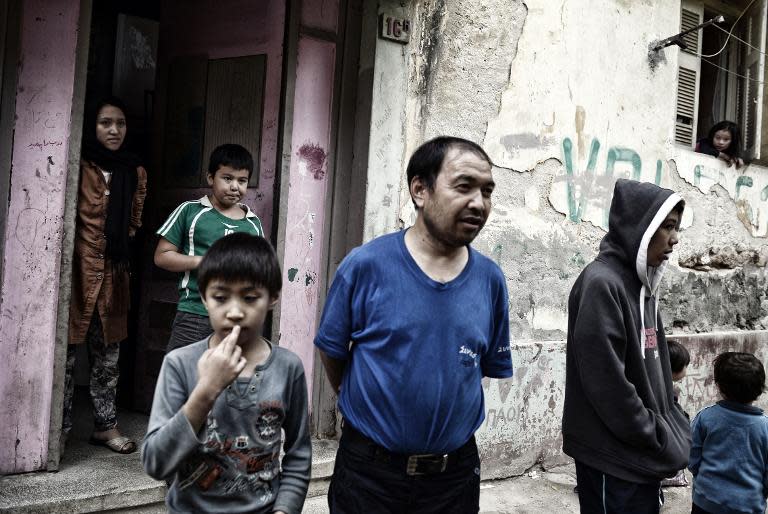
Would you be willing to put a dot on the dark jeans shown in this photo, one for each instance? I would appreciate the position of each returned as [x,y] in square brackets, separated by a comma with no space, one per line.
[607,494]
[369,479]
[695,509]
[188,328]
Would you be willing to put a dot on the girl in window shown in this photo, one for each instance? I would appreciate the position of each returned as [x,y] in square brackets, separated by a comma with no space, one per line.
[722,142]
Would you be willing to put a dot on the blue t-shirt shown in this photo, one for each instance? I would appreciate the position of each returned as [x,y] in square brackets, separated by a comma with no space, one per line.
[729,458]
[420,348]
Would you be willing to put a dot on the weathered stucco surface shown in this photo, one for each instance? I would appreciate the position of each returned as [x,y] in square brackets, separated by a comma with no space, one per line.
[563,115]
[523,414]
[34,229]
[386,141]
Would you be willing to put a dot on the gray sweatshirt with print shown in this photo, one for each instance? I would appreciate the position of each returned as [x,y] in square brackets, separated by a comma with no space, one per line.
[232,464]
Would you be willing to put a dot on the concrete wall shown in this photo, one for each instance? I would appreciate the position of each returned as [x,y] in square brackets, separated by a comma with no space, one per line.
[523,414]
[563,115]
[35,228]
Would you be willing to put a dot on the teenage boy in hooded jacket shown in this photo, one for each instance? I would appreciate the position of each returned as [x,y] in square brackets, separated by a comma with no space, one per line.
[620,422]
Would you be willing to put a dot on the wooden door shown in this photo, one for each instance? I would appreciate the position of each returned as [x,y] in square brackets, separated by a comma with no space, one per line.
[207,102]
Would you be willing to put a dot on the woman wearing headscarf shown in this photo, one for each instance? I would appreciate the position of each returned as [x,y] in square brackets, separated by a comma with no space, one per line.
[111,195]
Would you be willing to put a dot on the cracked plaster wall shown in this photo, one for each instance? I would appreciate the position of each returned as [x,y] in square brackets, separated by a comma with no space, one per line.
[563,115]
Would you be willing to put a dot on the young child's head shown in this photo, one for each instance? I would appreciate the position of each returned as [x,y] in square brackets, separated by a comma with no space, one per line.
[240,281]
[725,137]
[679,358]
[739,376]
[229,171]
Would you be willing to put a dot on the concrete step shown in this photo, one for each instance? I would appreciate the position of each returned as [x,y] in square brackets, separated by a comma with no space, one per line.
[95,479]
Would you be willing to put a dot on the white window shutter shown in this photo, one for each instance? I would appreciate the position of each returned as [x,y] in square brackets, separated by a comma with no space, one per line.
[688,73]
[685,119]
[688,20]
[753,68]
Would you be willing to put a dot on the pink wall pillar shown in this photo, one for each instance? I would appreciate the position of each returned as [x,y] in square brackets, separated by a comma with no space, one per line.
[32,250]
[310,147]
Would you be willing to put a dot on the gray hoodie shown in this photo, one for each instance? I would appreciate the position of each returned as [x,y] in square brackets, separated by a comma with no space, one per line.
[232,464]
[619,415]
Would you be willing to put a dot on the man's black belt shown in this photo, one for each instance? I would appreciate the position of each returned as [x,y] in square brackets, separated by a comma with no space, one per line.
[413,465]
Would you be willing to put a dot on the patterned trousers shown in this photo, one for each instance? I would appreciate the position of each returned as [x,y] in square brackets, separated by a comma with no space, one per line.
[103,381]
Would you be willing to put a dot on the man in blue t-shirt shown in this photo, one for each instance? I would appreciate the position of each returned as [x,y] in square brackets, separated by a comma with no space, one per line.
[427,319]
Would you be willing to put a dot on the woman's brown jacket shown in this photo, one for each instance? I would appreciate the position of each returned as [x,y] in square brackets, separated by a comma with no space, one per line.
[94,283]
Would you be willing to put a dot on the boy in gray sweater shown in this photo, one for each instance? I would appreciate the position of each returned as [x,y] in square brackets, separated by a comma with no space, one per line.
[220,404]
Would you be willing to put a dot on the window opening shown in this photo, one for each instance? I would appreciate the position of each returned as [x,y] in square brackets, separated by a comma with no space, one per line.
[721,73]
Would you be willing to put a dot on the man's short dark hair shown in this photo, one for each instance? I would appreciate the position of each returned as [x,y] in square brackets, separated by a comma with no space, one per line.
[739,376]
[234,156]
[679,357]
[241,257]
[427,160]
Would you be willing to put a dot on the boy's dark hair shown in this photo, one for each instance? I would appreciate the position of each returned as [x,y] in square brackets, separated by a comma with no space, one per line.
[241,256]
[679,357]
[427,160]
[739,376]
[234,156]
[679,208]
[734,149]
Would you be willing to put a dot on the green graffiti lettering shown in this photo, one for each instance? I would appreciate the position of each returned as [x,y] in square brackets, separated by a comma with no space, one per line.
[743,181]
[658,172]
[497,253]
[292,274]
[617,154]
[764,194]
[576,208]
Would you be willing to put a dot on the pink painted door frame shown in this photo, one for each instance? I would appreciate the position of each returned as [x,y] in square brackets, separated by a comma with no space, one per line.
[326,127]
[35,229]
[305,185]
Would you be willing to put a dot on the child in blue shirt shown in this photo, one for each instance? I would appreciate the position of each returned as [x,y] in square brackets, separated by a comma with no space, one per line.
[729,453]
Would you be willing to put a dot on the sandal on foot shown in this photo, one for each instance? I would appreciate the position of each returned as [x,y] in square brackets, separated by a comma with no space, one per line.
[120,444]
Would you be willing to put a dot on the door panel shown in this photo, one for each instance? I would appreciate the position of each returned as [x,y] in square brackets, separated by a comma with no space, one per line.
[234,104]
[209,102]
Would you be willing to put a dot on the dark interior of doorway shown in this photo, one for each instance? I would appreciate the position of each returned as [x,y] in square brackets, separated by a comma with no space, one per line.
[99,84]
[150,121]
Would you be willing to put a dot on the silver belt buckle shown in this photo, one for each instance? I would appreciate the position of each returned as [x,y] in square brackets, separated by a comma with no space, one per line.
[413,463]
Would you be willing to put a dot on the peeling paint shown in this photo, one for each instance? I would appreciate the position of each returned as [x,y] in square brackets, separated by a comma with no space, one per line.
[30,282]
[568,135]
[514,142]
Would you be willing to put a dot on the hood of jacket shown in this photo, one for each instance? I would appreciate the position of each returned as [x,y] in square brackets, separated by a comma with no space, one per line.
[637,210]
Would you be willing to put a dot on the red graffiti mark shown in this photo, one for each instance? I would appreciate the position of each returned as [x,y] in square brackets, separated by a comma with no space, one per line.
[314,155]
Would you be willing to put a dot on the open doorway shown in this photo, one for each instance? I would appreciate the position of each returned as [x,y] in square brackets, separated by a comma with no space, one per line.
[192,75]
[224,72]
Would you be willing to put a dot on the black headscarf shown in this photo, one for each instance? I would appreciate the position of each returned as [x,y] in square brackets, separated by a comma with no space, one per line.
[122,185]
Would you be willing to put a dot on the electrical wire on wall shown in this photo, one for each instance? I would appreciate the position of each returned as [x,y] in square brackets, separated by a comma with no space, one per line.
[738,39]
[731,72]
[705,57]
[731,31]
